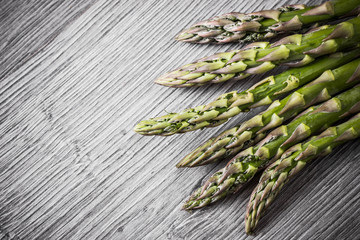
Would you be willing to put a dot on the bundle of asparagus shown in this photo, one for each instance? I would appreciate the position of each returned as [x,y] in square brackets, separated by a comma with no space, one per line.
[325,71]
[295,50]
[235,26]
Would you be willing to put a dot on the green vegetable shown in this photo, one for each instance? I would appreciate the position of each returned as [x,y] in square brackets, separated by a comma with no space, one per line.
[235,26]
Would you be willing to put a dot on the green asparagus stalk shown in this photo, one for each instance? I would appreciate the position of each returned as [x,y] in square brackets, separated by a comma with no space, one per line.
[291,162]
[295,50]
[244,166]
[232,103]
[235,26]
[231,141]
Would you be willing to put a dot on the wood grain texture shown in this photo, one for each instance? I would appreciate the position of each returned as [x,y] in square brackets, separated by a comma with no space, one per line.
[76,76]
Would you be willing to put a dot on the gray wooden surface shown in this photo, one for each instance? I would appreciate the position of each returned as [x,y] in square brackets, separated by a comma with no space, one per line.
[76,76]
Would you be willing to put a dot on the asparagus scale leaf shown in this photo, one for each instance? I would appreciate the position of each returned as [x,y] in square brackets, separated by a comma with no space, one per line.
[235,26]
[244,165]
[291,162]
[295,50]
[232,103]
[231,141]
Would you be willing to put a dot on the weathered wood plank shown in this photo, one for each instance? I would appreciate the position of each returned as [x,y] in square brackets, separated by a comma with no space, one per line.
[76,77]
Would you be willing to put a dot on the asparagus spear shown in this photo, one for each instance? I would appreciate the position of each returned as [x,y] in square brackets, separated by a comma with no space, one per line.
[295,50]
[232,103]
[235,26]
[291,162]
[231,141]
[244,165]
